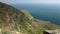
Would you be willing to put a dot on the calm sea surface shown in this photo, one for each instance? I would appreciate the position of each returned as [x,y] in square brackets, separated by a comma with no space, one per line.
[49,12]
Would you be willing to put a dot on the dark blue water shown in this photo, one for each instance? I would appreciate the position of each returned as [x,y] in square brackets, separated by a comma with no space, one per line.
[49,12]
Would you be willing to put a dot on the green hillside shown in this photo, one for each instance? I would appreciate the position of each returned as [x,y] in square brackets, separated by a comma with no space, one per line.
[20,20]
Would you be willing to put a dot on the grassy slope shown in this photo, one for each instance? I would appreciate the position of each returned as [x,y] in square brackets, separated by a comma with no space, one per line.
[35,26]
[12,19]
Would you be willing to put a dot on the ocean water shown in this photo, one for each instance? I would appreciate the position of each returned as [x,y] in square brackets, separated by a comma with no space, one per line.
[48,12]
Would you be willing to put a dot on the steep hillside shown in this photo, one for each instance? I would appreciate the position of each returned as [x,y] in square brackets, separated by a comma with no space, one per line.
[19,20]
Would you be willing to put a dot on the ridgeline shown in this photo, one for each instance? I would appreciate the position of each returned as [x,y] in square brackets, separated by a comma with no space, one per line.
[20,21]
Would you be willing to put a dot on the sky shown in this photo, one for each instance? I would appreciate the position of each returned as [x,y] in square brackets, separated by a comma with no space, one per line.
[30,1]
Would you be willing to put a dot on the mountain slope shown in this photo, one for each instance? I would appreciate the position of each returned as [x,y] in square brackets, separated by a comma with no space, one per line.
[19,20]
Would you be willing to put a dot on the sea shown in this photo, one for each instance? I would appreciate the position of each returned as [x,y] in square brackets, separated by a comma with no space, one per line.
[47,12]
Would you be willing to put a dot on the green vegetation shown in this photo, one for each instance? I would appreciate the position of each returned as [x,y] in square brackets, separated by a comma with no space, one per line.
[12,19]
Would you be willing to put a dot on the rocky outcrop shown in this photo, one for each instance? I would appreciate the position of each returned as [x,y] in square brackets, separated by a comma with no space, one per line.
[52,31]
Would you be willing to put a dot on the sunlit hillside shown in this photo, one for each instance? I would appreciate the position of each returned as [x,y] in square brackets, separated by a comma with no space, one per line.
[19,21]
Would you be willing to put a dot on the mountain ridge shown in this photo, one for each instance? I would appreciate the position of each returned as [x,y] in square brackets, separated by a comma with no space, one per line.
[20,20]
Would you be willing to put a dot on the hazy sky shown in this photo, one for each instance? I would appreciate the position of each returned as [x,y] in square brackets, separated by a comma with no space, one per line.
[30,1]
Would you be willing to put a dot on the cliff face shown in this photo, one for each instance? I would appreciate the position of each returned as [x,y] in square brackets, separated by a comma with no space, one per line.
[19,20]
